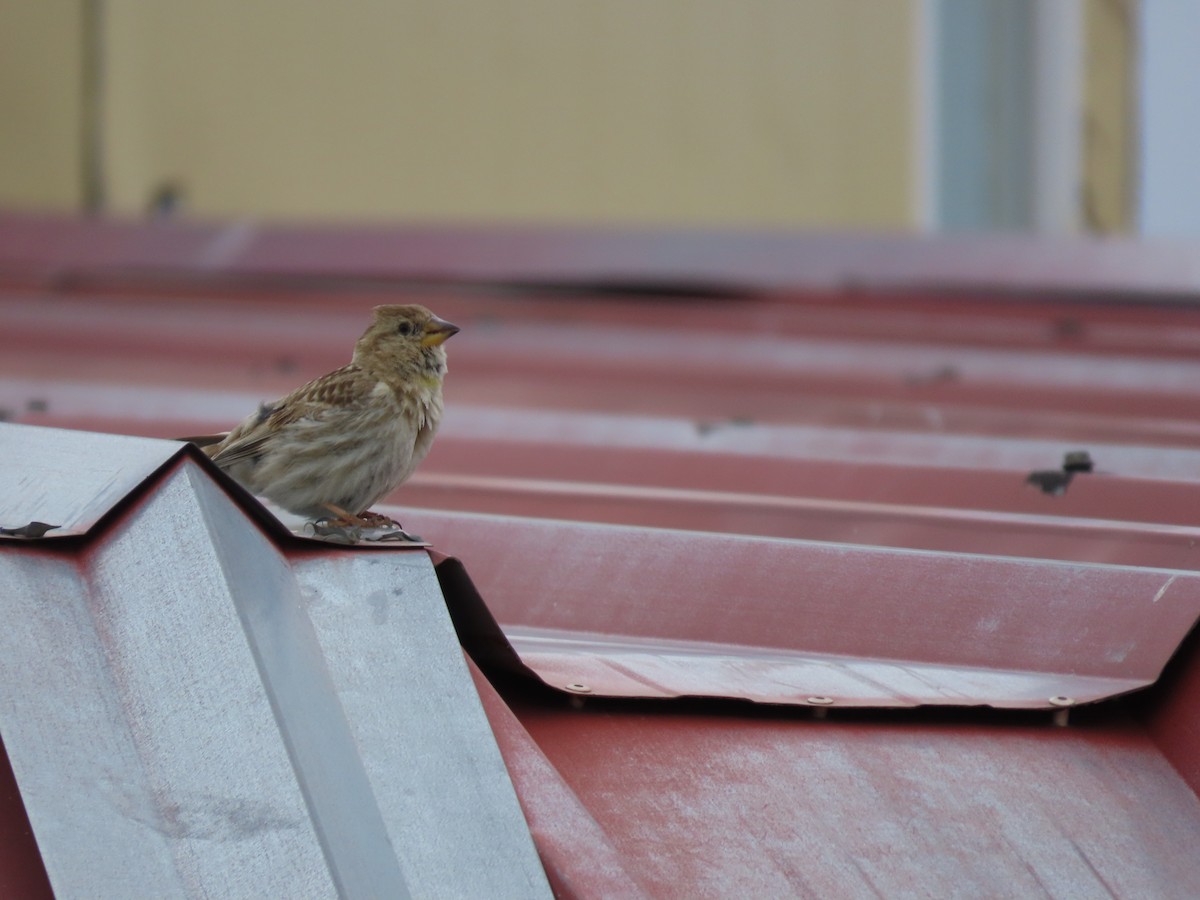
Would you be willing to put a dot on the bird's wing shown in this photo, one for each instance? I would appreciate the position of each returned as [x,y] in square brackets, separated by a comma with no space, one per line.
[343,389]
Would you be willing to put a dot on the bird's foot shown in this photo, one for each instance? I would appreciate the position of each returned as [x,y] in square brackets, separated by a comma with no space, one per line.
[331,528]
[366,526]
[379,527]
[370,519]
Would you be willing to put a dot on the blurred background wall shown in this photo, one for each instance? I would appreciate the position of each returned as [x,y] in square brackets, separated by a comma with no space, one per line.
[864,114]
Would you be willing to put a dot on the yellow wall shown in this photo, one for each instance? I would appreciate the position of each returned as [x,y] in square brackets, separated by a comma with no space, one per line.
[1109,114]
[768,112]
[649,111]
[691,112]
[41,78]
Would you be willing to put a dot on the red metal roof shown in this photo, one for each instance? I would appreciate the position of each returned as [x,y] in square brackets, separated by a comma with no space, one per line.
[779,468]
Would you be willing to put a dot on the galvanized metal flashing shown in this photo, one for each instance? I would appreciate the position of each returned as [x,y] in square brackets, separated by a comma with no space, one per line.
[194,708]
[47,477]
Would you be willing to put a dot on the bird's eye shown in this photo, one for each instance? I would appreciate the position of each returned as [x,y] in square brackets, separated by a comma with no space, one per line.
[404,328]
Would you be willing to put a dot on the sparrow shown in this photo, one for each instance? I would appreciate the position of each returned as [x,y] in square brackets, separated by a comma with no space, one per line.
[338,444]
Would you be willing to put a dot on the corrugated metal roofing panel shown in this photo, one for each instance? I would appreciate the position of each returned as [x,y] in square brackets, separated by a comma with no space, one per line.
[604,256]
[691,370]
[911,525]
[637,612]
[580,860]
[188,705]
[731,804]
[1173,713]
[853,488]
[844,500]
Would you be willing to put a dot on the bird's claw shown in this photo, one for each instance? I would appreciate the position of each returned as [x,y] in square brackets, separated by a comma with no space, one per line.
[378,527]
[333,528]
[370,519]
[367,526]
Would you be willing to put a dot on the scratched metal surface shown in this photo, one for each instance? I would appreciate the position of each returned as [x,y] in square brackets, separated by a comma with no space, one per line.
[741,805]
[187,705]
[33,486]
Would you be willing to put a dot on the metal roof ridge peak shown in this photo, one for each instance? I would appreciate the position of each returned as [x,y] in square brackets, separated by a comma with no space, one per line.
[114,487]
[37,484]
[207,686]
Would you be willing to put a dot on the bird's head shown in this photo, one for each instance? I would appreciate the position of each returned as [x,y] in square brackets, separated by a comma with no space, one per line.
[404,340]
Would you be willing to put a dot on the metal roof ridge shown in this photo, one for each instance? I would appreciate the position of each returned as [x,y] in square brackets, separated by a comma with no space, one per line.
[116,480]
[208,719]
[31,487]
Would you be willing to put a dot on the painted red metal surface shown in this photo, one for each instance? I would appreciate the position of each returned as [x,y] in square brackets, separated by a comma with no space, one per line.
[652,613]
[21,871]
[604,256]
[709,369]
[1173,713]
[580,859]
[735,804]
[812,455]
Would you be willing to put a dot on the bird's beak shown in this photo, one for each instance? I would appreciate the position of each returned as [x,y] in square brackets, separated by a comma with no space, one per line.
[437,331]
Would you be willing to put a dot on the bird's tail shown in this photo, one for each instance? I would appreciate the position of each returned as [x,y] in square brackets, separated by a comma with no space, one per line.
[206,442]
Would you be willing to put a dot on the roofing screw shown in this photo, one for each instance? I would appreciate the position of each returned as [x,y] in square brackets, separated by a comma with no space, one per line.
[578,688]
[1062,715]
[820,703]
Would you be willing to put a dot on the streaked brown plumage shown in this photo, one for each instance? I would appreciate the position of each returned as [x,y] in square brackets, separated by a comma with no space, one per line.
[344,440]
